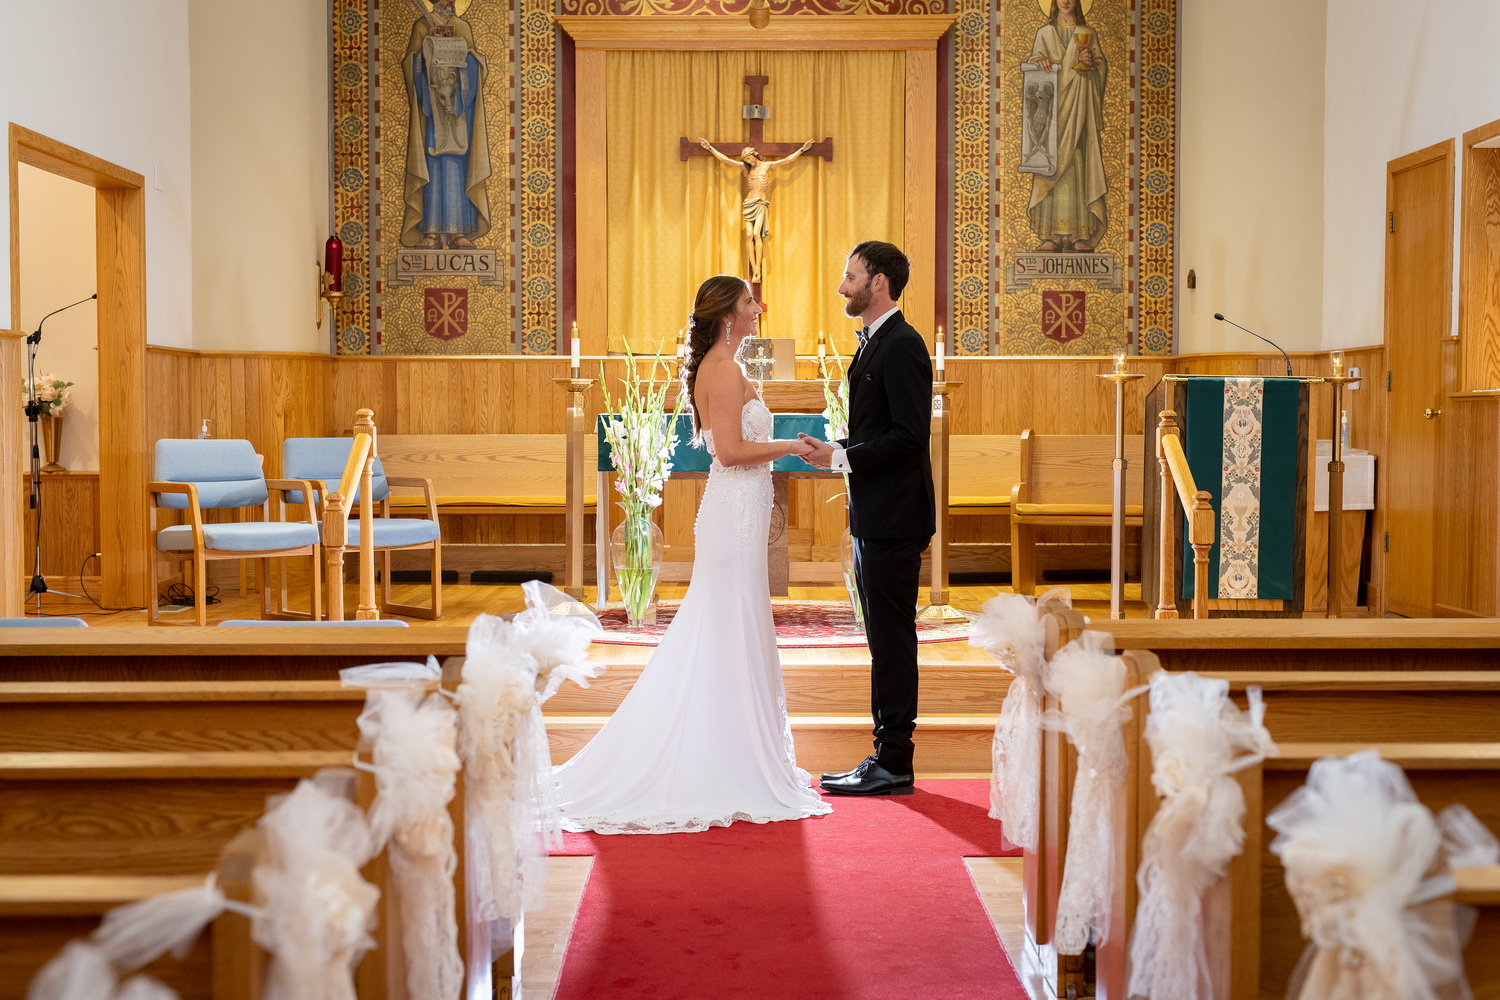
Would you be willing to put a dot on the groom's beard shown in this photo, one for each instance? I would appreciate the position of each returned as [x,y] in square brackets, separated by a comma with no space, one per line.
[858,302]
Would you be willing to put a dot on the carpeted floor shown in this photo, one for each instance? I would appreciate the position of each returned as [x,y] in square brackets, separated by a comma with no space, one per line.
[873,901]
[800,624]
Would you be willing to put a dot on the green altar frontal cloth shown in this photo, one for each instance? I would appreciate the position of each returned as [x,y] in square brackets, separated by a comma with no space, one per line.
[1240,438]
[689,457]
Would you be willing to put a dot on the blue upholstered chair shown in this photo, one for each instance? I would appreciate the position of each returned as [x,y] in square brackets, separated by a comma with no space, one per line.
[321,461]
[55,621]
[197,475]
[377,622]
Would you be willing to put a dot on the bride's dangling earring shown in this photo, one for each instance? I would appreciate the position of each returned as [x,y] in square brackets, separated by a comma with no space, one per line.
[728,326]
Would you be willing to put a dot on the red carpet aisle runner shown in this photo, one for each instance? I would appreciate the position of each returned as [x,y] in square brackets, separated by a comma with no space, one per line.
[873,901]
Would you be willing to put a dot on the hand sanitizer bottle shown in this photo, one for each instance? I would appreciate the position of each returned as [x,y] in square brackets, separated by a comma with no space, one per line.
[1344,429]
[203,434]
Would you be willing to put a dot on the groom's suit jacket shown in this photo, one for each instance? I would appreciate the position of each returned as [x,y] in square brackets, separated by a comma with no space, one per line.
[888,447]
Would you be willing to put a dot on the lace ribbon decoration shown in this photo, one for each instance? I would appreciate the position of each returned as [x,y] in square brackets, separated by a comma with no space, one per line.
[510,670]
[1199,739]
[131,937]
[317,911]
[1089,684]
[413,745]
[1365,868]
[1011,628]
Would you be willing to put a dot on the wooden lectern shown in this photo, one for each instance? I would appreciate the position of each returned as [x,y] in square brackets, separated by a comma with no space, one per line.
[1246,440]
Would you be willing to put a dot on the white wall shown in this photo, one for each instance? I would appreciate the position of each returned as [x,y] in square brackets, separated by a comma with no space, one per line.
[1400,76]
[57,254]
[1250,156]
[260,172]
[110,77]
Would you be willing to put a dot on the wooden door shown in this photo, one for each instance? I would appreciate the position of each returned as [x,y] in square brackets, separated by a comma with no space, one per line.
[1418,270]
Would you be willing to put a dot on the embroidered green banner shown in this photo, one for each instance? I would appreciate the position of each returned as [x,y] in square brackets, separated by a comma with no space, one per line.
[1240,437]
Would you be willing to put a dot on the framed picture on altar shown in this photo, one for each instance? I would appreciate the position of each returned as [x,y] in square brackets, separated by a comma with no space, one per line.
[1038,120]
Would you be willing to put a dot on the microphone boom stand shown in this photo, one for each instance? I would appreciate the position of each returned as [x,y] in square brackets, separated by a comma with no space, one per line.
[33,414]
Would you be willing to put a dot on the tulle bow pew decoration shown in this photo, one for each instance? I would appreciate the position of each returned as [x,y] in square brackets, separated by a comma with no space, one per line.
[411,734]
[1198,739]
[1088,682]
[315,911]
[1012,628]
[1368,867]
[510,669]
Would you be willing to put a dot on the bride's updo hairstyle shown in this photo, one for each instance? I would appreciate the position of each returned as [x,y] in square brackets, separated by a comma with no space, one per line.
[716,300]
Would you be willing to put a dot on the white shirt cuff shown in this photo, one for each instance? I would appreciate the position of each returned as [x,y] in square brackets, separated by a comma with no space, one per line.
[840,462]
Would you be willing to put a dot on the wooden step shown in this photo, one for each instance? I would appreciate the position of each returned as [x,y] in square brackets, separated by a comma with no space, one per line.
[953,677]
[946,744]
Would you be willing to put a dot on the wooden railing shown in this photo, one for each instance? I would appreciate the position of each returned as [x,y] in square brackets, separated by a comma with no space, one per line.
[358,470]
[1176,476]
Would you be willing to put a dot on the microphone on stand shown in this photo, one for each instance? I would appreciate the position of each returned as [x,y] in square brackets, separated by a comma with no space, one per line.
[1220,317]
[33,411]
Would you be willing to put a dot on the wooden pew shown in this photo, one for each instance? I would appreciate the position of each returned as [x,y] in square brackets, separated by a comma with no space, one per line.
[1358,703]
[1441,774]
[1064,479]
[1317,714]
[1480,888]
[486,475]
[41,913]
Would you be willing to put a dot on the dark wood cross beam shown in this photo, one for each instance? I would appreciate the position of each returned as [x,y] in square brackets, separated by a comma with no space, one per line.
[756,112]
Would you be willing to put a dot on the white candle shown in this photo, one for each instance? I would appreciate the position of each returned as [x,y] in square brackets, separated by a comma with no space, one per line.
[940,360]
[576,358]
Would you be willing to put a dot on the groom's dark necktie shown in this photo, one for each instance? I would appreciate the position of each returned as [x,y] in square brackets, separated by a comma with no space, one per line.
[863,333]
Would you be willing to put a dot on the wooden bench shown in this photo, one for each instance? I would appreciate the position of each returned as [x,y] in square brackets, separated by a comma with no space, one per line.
[486,475]
[1065,479]
[982,470]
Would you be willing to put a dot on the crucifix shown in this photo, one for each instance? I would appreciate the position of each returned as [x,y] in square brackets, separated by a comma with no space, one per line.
[752,157]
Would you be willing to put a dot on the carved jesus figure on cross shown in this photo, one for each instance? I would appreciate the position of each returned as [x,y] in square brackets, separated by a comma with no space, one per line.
[752,159]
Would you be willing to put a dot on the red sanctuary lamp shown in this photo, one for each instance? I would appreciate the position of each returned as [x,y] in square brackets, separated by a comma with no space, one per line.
[331,277]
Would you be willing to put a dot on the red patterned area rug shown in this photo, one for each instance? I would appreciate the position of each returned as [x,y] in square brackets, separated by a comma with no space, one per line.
[799,625]
[871,902]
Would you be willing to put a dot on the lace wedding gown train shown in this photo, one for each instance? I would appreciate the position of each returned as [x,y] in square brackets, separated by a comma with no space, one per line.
[702,739]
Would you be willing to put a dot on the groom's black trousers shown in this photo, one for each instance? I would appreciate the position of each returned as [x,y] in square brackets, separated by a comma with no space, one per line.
[887,572]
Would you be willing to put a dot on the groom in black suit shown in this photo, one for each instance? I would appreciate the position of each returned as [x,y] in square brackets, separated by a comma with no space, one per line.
[891,510]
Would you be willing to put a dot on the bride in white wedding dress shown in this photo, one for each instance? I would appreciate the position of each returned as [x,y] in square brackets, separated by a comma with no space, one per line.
[702,739]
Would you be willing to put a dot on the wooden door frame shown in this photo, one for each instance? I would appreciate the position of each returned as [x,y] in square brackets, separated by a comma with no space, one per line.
[120,239]
[593,35]
[1438,151]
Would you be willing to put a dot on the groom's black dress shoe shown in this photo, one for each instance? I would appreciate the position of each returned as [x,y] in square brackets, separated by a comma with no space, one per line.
[836,775]
[869,778]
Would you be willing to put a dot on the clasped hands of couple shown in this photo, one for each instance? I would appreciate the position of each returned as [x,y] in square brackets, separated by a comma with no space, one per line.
[811,450]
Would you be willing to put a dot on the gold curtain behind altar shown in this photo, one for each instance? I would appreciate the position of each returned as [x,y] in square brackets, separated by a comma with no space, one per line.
[673,223]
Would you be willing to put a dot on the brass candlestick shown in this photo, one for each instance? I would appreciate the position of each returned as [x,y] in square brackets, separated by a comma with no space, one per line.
[1336,491]
[940,611]
[573,512]
[1120,377]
